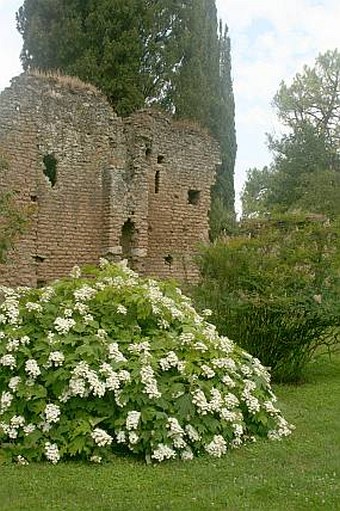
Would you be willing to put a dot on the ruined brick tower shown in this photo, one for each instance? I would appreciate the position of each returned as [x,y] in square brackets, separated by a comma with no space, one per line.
[99,185]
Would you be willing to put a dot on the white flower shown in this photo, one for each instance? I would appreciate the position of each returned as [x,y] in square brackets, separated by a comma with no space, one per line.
[21,460]
[121,309]
[199,399]
[47,294]
[25,340]
[75,273]
[96,459]
[63,325]
[207,371]
[230,400]
[226,345]
[133,438]
[13,345]
[132,420]
[14,382]
[228,381]
[187,454]
[192,433]
[174,427]
[52,413]
[17,421]
[32,368]
[52,452]
[163,452]
[29,429]
[5,401]
[88,318]
[115,354]
[101,438]
[200,346]
[56,358]
[33,307]
[150,383]
[84,293]
[8,361]
[217,447]
[77,387]
[228,415]
[82,308]
[171,360]
[207,312]
[121,439]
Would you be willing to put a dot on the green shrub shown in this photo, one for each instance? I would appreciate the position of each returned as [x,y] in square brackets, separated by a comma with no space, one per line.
[274,288]
[114,363]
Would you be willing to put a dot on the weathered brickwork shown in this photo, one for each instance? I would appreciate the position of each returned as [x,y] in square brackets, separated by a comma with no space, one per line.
[98,185]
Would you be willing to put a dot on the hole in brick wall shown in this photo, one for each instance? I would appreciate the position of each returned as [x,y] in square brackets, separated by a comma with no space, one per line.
[160,158]
[194,197]
[127,239]
[41,283]
[39,258]
[50,168]
[148,151]
[169,259]
[157,179]
[34,197]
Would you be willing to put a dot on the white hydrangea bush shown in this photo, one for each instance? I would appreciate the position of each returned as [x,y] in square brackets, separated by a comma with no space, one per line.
[113,363]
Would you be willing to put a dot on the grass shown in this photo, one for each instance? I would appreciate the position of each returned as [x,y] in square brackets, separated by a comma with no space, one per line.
[299,473]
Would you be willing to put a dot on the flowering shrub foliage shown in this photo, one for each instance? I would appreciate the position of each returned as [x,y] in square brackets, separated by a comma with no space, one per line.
[115,363]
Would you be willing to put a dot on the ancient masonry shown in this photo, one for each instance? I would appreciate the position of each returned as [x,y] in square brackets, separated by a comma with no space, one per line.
[98,186]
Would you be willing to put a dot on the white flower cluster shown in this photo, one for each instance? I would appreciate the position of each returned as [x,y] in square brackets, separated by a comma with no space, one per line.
[32,368]
[101,438]
[163,452]
[11,429]
[115,354]
[207,371]
[224,363]
[75,273]
[132,420]
[171,360]
[251,401]
[52,452]
[13,345]
[14,382]
[21,460]
[121,309]
[176,433]
[33,307]
[192,433]
[52,413]
[63,325]
[84,293]
[150,382]
[47,294]
[56,358]
[217,447]
[10,307]
[8,361]
[5,401]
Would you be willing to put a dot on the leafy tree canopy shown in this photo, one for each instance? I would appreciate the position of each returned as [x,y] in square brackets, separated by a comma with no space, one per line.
[309,153]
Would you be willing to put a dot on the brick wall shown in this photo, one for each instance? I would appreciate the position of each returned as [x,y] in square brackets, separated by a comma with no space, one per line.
[98,185]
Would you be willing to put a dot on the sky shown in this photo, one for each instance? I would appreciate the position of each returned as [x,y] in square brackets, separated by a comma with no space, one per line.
[271,40]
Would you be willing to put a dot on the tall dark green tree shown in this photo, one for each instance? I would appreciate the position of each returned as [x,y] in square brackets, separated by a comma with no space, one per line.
[141,52]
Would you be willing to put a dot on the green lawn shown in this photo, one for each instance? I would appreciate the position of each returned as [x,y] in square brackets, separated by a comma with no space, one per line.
[299,473]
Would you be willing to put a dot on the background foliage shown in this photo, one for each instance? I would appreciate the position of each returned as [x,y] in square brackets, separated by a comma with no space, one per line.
[274,288]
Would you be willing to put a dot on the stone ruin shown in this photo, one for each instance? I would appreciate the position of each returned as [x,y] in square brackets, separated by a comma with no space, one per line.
[98,185]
